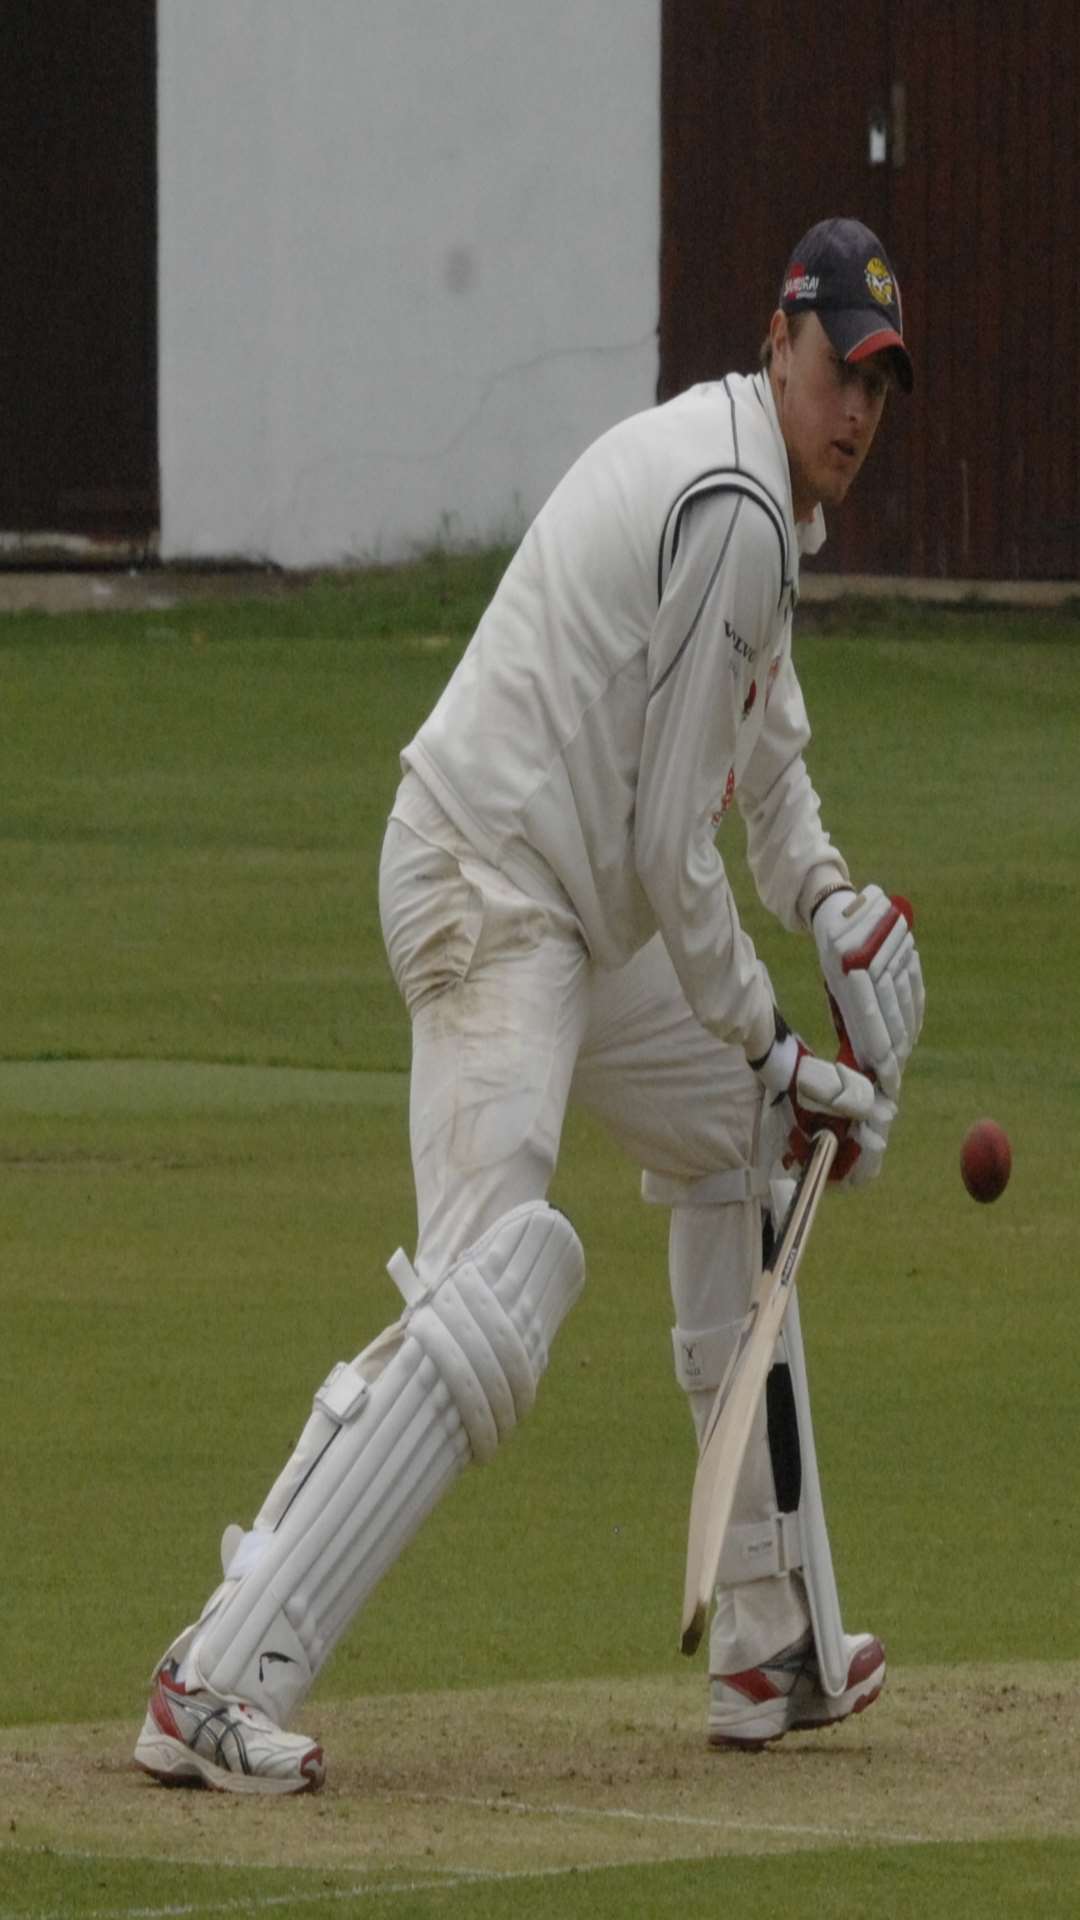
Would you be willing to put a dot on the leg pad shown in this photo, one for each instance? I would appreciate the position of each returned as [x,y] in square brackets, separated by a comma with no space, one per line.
[389,1433]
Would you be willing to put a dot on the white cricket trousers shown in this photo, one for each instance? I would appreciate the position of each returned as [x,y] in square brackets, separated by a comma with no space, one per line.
[510,1021]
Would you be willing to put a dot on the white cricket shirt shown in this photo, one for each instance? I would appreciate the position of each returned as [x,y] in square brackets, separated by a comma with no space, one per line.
[631,680]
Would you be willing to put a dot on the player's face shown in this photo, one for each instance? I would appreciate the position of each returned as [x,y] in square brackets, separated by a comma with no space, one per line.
[829,411]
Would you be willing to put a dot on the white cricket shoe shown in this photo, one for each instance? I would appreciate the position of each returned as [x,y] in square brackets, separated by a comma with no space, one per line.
[199,1739]
[785,1694]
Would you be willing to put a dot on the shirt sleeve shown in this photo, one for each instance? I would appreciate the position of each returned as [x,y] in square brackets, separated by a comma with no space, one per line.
[790,855]
[717,618]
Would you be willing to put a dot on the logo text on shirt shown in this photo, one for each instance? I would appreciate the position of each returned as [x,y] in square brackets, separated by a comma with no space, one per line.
[739,645]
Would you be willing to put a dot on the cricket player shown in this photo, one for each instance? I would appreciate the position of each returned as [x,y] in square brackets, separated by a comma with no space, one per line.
[559,921]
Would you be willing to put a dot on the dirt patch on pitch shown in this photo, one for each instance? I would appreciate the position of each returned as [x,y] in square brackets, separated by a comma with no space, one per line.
[593,1773]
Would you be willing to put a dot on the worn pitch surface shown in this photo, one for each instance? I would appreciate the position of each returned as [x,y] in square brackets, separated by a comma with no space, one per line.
[533,1779]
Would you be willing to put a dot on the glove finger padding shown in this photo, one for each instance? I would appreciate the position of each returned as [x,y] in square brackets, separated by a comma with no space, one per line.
[872,971]
[912,996]
[827,1093]
[870,1138]
[873,1012]
[862,1144]
[790,1071]
[830,1087]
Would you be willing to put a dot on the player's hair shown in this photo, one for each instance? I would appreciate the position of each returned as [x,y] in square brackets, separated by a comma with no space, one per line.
[794,322]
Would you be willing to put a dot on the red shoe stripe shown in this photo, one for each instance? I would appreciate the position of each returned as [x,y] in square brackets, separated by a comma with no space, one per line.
[866,1661]
[754,1683]
[159,1708]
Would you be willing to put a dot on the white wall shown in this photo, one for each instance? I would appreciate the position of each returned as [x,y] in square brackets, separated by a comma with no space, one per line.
[409,264]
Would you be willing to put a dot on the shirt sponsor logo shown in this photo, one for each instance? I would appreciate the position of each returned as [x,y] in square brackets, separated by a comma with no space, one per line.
[880,282]
[739,645]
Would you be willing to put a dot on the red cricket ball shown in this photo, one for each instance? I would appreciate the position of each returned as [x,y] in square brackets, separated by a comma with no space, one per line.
[985,1160]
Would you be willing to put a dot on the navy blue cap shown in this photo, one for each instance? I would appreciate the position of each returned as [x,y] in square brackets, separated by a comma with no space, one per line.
[841,272]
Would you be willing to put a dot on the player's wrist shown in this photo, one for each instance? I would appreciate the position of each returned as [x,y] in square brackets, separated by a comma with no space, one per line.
[829,902]
[827,877]
[776,1067]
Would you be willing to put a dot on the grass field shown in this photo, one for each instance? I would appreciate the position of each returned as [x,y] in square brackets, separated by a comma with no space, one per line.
[202,1131]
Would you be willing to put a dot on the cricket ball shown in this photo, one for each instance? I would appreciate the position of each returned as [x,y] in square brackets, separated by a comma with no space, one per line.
[985,1160]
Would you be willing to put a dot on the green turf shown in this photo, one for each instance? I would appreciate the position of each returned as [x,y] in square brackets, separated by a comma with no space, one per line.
[945,1882]
[192,809]
[188,850]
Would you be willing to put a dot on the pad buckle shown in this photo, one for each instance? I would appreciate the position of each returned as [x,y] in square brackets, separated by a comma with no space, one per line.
[342,1394]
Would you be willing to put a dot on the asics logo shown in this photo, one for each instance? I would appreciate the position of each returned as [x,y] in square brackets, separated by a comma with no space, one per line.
[286,1659]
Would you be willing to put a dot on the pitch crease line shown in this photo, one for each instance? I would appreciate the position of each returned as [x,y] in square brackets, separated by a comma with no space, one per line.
[265,1903]
[255,1903]
[564,1809]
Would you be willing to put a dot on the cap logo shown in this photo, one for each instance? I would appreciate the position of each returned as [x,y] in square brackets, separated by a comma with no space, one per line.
[880,282]
[799,284]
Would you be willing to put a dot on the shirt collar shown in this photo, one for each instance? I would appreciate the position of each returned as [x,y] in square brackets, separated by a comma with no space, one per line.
[810,535]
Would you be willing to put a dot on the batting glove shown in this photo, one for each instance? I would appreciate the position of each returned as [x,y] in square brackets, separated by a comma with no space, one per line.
[819,1093]
[874,977]
[869,1138]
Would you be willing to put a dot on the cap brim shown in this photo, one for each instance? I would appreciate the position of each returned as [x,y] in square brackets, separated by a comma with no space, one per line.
[857,333]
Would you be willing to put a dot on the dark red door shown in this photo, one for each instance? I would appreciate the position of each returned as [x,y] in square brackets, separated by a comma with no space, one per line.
[78,344]
[951,129]
[986,214]
[767,113]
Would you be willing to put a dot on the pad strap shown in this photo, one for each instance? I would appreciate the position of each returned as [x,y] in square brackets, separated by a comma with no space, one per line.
[759,1550]
[701,1358]
[728,1189]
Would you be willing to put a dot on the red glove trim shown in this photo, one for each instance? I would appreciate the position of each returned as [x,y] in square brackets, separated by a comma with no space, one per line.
[862,956]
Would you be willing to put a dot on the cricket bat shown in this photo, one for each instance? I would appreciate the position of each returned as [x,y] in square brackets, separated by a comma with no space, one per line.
[724,1442]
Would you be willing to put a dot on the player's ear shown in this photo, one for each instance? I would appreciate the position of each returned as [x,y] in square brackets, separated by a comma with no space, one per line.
[780,342]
